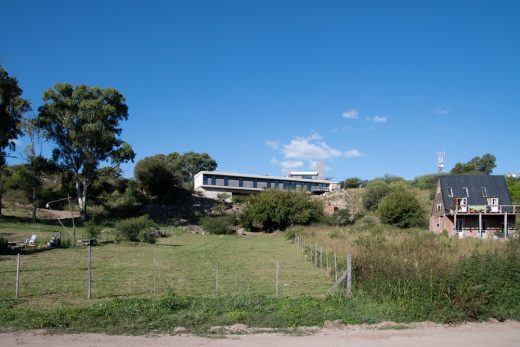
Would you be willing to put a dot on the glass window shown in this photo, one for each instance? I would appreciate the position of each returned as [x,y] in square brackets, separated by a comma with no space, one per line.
[450,192]
[484,192]
[465,191]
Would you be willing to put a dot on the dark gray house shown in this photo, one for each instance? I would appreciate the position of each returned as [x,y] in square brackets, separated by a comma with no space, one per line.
[473,206]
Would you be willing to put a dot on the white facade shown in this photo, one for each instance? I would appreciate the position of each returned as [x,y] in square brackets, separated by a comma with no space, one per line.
[213,183]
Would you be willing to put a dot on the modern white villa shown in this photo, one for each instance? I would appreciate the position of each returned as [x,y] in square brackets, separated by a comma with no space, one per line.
[213,183]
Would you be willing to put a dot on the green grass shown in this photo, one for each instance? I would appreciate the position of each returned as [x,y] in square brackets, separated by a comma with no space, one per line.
[162,314]
[398,275]
[186,264]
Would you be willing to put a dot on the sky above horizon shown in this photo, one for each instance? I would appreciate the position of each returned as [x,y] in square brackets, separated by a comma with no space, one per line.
[369,87]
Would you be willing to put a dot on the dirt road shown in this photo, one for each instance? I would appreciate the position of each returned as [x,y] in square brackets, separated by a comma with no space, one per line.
[422,334]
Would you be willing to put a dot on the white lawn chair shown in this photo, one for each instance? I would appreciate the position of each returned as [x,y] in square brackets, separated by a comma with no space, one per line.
[30,242]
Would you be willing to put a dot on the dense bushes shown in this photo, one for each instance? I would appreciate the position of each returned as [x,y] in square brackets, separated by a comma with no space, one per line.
[340,217]
[513,185]
[353,182]
[137,229]
[3,243]
[220,225]
[277,209]
[402,209]
[425,273]
[375,191]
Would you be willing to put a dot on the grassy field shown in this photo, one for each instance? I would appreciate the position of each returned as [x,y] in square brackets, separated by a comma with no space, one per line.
[186,264]
[398,275]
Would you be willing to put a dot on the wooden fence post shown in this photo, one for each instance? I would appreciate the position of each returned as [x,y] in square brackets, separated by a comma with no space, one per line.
[277,277]
[348,280]
[154,275]
[335,266]
[327,262]
[316,255]
[17,276]
[321,258]
[217,280]
[89,293]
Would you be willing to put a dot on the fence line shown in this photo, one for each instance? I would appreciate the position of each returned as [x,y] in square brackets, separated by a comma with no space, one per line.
[345,280]
[17,275]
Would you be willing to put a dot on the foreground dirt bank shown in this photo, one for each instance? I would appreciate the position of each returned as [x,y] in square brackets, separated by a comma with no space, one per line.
[421,334]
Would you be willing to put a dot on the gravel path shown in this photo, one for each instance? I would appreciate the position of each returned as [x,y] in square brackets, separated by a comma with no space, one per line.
[416,335]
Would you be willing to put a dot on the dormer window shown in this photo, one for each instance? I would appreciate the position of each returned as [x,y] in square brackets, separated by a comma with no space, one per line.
[466,191]
[484,192]
[450,192]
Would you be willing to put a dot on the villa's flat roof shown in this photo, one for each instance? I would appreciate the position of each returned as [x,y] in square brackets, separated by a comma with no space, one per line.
[235,174]
[306,173]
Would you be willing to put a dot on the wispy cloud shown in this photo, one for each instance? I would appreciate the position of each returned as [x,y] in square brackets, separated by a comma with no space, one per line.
[315,136]
[353,153]
[441,111]
[350,114]
[379,119]
[272,144]
[310,149]
[303,148]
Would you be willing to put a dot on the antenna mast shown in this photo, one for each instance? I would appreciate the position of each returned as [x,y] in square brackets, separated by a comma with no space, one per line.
[440,161]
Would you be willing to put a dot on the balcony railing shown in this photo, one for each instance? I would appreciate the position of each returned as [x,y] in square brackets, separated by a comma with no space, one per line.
[487,209]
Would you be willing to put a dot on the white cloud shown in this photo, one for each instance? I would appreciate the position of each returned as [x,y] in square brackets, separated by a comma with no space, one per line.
[315,136]
[272,144]
[310,150]
[350,114]
[302,148]
[379,119]
[441,111]
[353,153]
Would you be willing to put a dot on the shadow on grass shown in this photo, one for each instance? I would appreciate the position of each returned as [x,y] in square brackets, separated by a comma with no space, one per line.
[45,221]
[168,245]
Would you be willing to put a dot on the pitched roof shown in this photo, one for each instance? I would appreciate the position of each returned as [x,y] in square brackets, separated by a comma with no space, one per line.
[495,187]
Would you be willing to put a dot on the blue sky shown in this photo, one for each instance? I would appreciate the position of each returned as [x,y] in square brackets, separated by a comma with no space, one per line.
[370,87]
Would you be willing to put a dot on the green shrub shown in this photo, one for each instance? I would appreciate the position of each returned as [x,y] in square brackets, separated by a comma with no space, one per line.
[3,243]
[359,215]
[131,228]
[367,221]
[239,199]
[340,217]
[148,235]
[97,212]
[278,209]
[375,191]
[402,209]
[353,182]
[220,225]
[92,230]
[291,232]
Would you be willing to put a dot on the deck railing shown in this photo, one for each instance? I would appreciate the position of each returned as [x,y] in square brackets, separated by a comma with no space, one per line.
[488,209]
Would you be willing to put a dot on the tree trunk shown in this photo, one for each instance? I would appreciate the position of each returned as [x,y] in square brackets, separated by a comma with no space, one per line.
[1,191]
[81,191]
[34,204]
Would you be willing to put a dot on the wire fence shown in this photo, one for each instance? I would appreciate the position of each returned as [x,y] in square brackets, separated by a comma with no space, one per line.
[85,273]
